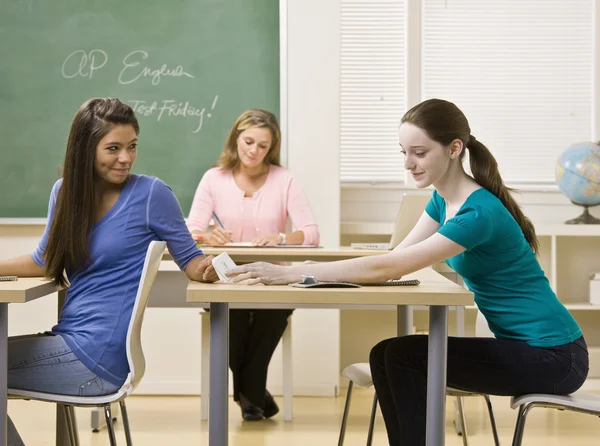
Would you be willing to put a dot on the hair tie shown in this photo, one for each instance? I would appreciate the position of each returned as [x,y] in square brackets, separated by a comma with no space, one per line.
[472,139]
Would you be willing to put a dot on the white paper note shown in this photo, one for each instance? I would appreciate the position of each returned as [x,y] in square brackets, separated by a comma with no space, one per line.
[223,264]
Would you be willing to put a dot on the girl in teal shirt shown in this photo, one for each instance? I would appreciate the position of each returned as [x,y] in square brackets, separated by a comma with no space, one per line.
[474,224]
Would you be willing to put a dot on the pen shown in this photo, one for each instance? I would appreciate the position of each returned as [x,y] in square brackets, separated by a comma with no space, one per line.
[218,221]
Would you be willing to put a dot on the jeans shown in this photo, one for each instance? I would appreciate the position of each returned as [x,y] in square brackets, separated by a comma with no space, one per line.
[484,365]
[45,363]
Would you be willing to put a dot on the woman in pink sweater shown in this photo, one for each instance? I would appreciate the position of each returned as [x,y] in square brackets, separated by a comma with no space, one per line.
[252,197]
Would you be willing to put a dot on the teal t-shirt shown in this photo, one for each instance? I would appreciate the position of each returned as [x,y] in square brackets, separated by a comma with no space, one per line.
[501,269]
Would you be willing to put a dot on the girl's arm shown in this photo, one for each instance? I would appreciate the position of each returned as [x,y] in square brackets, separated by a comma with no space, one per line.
[380,268]
[22,266]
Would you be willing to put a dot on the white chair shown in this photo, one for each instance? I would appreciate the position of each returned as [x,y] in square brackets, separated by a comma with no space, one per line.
[135,357]
[288,391]
[576,402]
[360,373]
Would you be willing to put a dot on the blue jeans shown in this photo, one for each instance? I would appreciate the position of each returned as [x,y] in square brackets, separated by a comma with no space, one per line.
[485,365]
[45,363]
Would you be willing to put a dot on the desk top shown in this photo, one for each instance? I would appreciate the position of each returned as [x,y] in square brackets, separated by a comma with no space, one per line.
[25,289]
[281,254]
[434,289]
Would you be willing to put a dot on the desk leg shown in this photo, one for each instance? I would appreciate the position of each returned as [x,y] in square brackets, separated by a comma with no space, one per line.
[219,374]
[3,370]
[62,436]
[405,320]
[436,375]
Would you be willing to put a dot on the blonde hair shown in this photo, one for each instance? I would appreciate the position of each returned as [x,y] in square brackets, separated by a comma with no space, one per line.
[250,119]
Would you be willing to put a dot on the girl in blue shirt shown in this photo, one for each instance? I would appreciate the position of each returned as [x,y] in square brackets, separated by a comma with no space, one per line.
[474,224]
[101,219]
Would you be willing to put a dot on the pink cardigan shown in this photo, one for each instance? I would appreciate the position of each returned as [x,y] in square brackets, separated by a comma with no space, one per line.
[279,197]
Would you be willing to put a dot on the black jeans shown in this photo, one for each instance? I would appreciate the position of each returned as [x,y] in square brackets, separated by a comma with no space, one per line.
[253,337]
[486,365]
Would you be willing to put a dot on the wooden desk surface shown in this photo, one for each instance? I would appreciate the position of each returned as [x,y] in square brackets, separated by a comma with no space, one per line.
[433,290]
[276,254]
[25,289]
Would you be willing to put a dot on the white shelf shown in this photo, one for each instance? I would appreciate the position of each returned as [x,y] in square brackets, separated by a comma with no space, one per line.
[581,307]
[541,229]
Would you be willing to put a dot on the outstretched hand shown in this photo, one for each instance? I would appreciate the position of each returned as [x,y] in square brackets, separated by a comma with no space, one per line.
[263,272]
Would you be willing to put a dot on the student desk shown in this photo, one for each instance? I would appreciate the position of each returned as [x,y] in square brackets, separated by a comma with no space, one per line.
[435,291]
[23,290]
[283,254]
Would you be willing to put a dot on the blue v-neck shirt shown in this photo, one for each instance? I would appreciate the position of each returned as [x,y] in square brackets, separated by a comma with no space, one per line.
[502,271]
[99,302]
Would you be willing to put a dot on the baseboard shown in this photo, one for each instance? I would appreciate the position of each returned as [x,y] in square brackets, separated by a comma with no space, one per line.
[193,388]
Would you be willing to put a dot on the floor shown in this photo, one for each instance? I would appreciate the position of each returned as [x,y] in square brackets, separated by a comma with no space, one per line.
[173,421]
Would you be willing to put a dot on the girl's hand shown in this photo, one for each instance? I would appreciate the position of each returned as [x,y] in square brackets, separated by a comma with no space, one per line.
[204,270]
[263,272]
[219,237]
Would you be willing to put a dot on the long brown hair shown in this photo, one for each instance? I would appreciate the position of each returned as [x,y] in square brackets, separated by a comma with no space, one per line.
[444,122]
[255,117]
[68,243]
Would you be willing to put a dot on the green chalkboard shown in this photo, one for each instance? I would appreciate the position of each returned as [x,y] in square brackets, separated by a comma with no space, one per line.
[189,67]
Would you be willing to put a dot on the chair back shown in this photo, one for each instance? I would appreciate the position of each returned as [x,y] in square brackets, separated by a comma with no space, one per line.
[135,354]
[411,209]
[482,328]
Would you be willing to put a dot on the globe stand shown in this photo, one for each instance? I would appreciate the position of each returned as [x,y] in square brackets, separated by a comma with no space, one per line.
[584,219]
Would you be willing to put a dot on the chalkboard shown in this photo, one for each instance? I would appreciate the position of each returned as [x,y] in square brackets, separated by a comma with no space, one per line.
[188,67]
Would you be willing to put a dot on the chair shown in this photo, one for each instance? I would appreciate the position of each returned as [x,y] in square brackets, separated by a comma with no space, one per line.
[135,357]
[360,373]
[576,402]
[286,344]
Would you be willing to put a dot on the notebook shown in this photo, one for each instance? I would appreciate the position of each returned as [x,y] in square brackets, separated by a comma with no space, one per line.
[411,209]
[311,282]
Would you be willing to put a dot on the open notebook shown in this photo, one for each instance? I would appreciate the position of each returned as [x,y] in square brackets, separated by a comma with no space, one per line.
[311,282]
[250,245]
[411,208]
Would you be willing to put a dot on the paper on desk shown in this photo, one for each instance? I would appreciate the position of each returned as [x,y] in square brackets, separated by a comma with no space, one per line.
[222,265]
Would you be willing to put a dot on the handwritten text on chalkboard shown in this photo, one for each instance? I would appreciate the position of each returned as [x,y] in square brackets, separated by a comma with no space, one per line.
[86,64]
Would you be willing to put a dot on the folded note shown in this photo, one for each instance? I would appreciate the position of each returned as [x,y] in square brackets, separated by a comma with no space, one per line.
[222,265]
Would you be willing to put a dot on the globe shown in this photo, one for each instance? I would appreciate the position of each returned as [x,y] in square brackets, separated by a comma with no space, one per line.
[578,177]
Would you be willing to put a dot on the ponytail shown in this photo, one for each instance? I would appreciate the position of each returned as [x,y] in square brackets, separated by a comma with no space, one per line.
[484,168]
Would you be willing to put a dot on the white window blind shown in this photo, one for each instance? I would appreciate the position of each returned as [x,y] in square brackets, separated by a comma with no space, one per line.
[521,70]
[372,90]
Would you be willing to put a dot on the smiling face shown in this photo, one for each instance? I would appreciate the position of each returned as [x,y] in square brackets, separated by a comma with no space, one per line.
[253,145]
[426,159]
[115,155]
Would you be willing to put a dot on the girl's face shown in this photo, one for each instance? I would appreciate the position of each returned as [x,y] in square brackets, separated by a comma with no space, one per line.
[253,144]
[426,159]
[115,154]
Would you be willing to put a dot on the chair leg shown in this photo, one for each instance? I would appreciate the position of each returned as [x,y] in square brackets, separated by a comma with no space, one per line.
[109,425]
[69,421]
[463,420]
[345,416]
[125,422]
[520,426]
[74,423]
[490,408]
[372,421]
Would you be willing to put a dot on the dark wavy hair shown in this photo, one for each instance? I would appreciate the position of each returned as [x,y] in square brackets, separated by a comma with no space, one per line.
[68,243]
